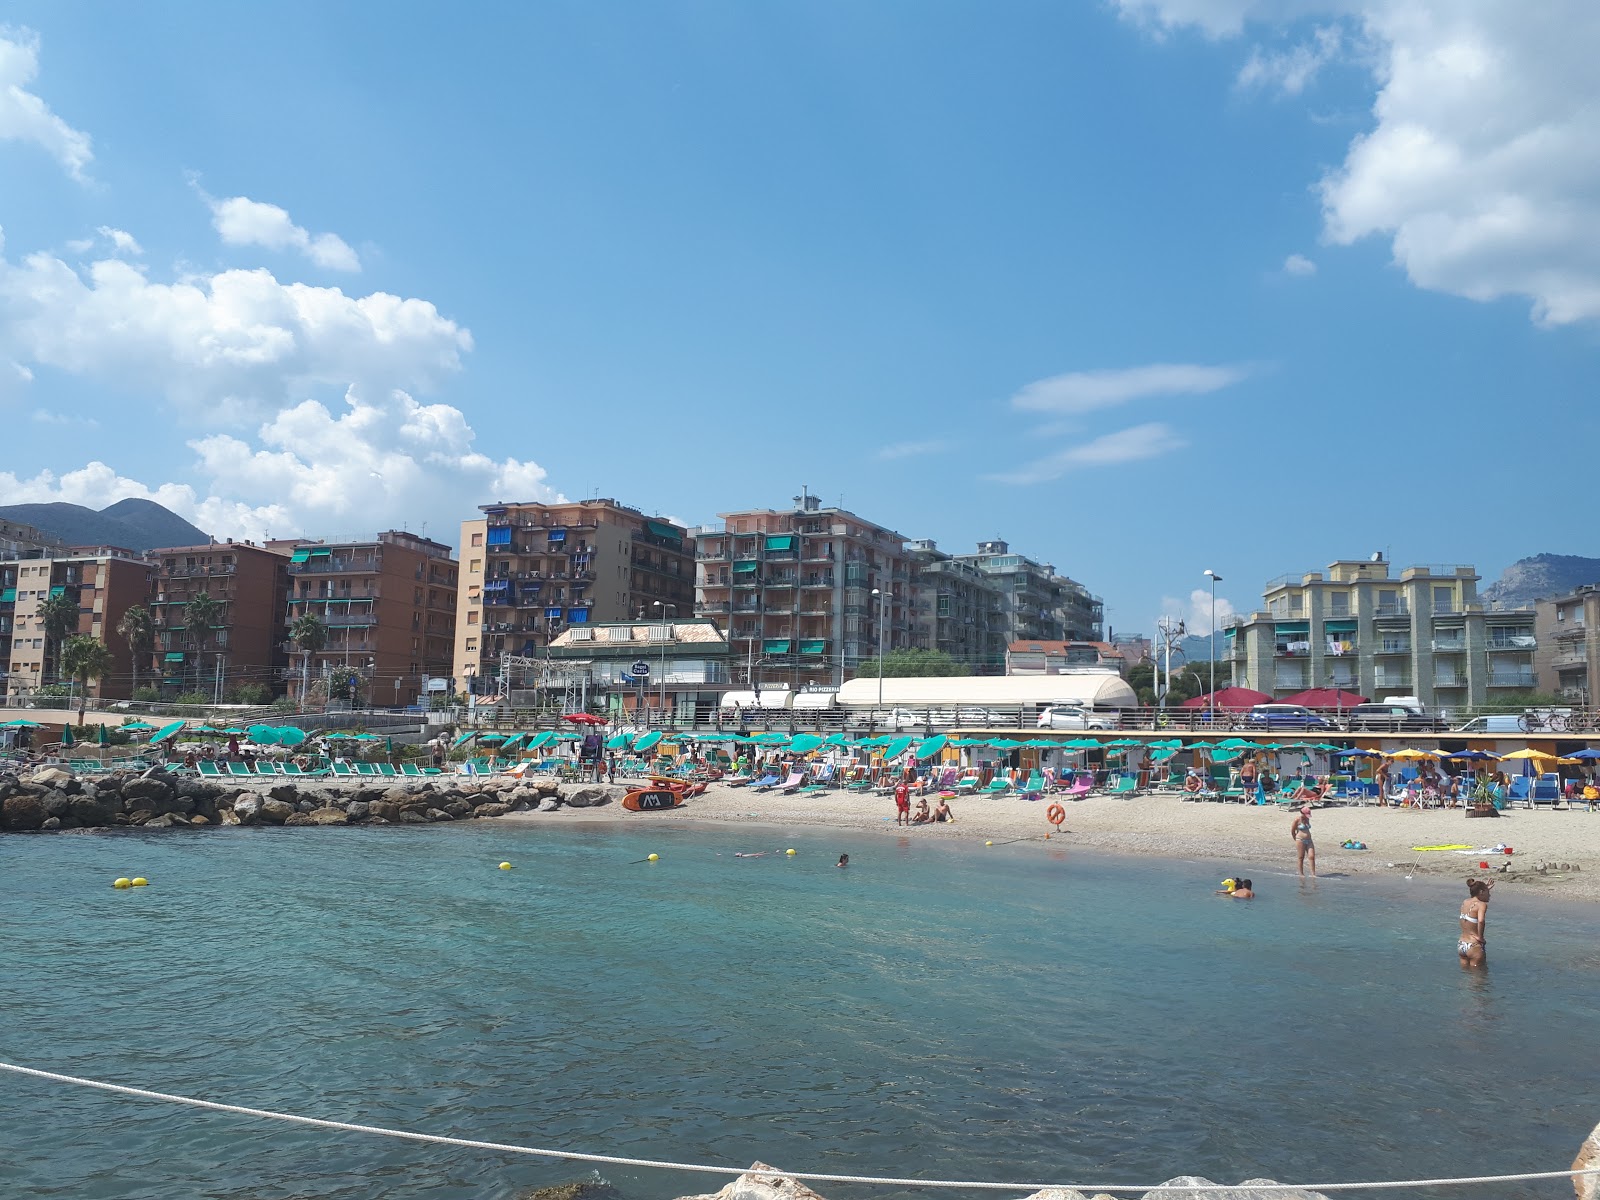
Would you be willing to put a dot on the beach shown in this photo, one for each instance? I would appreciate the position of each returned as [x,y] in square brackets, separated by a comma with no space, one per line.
[1565,843]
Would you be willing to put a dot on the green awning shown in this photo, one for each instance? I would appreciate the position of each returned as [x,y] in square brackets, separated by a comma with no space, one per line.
[745,568]
[661,529]
[299,556]
[9,596]
[57,591]
[1291,627]
[814,646]
[1339,626]
[322,552]
[775,646]
[174,656]
[783,541]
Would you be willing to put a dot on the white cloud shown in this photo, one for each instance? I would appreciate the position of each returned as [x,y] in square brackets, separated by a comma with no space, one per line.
[24,117]
[912,450]
[122,241]
[1299,264]
[1479,166]
[45,416]
[1195,612]
[228,346]
[1112,449]
[1085,391]
[1289,71]
[245,222]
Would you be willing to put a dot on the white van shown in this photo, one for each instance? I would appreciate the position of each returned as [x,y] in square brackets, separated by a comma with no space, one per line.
[1505,723]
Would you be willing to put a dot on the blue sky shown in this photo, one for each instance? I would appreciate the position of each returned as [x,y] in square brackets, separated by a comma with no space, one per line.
[1144,287]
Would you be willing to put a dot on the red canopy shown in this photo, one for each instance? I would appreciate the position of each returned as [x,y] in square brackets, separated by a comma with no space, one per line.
[584,719]
[1229,697]
[1325,698]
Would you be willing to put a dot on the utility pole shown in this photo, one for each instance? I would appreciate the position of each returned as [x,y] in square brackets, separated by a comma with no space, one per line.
[1168,633]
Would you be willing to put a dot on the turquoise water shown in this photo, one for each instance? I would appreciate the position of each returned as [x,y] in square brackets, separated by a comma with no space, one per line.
[938,1009]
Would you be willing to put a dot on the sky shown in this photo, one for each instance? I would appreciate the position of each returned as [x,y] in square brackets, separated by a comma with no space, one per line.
[1145,287]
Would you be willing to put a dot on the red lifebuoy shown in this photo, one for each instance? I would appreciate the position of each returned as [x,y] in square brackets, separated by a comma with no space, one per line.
[1055,814]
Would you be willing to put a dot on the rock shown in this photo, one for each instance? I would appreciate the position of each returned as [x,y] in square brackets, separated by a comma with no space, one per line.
[56,803]
[246,809]
[372,794]
[549,804]
[91,810]
[199,819]
[227,816]
[53,777]
[164,821]
[51,823]
[1587,1187]
[140,816]
[22,811]
[457,808]
[1221,1191]
[407,817]
[276,811]
[287,792]
[358,810]
[297,818]
[437,814]
[383,811]
[328,816]
[578,1189]
[146,789]
[763,1187]
[398,796]
[306,806]
[491,810]
[378,821]
[585,795]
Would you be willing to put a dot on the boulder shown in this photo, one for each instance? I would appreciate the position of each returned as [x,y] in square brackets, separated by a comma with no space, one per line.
[407,817]
[287,792]
[548,804]
[491,810]
[56,803]
[437,814]
[246,809]
[164,821]
[328,816]
[581,795]
[1245,1191]
[140,816]
[198,790]
[1587,1187]
[306,805]
[146,790]
[199,819]
[51,823]
[378,821]
[22,811]
[91,810]
[761,1187]
[226,816]
[297,818]
[400,796]
[53,777]
[457,808]
[382,810]
[358,810]
[578,1189]
[276,811]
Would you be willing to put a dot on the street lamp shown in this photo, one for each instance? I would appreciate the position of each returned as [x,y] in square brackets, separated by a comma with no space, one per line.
[663,607]
[1214,577]
[882,611]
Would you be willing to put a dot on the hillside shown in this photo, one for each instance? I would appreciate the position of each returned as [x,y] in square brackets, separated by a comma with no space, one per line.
[132,524]
[1540,577]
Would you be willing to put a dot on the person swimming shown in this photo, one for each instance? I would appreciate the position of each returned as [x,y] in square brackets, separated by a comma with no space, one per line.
[844,861]
[1237,889]
[1472,941]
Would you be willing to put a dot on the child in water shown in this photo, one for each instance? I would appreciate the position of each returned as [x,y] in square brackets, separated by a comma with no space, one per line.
[1237,889]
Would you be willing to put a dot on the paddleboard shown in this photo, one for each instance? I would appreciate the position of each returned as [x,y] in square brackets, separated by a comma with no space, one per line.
[1456,846]
[651,800]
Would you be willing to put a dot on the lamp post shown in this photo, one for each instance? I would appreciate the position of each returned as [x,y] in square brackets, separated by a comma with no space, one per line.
[882,611]
[663,607]
[1214,577]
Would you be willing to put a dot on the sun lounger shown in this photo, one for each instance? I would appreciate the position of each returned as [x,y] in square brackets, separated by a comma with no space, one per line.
[1125,785]
[343,770]
[209,769]
[239,768]
[411,769]
[1546,790]
[1521,791]
[968,783]
[766,783]
[1035,785]
[998,786]
[1081,787]
[388,770]
[794,783]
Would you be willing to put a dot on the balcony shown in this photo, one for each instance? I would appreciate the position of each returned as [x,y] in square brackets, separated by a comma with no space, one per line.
[1524,642]
[817,581]
[716,606]
[1393,646]
[1449,679]
[1391,610]
[1391,682]
[1511,679]
[1449,645]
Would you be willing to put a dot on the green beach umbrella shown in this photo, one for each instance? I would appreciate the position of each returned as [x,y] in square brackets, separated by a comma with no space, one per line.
[540,739]
[20,724]
[1123,742]
[617,742]
[1040,744]
[836,739]
[264,735]
[804,743]
[460,741]
[101,737]
[648,741]
[167,731]
[1162,753]
[136,726]
[66,736]
[897,747]
[1003,744]
[931,747]
[290,735]
[486,738]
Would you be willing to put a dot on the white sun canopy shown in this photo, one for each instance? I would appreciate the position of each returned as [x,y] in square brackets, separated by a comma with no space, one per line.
[1093,689]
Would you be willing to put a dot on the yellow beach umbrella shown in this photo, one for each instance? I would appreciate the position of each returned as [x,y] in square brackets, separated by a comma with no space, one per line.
[1529,753]
[1412,755]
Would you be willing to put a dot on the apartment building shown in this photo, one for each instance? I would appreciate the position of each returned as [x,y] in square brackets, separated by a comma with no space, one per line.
[804,593]
[1031,592]
[686,667]
[245,644]
[389,607]
[530,571]
[959,610]
[1083,614]
[1358,627]
[1055,658]
[1568,632]
[104,580]
[18,541]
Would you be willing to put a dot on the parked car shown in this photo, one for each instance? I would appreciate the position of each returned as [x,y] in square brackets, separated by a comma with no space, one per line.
[1393,715]
[1285,716]
[1075,716]
[1503,723]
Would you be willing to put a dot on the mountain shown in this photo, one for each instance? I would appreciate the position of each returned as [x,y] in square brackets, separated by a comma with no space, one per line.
[1540,577]
[1196,648]
[131,524]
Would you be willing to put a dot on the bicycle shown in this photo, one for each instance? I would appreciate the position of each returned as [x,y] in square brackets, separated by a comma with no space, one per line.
[1543,722]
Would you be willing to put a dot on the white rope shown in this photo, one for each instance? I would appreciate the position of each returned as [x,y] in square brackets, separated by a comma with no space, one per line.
[811,1177]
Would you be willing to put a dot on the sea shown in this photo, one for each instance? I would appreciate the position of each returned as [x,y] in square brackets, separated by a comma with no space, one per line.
[939,1009]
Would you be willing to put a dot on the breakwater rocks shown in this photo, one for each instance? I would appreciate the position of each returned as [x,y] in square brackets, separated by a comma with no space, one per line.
[766,1187]
[53,798]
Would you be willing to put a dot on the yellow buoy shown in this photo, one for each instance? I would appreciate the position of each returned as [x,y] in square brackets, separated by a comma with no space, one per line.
[654,858]
[988,843]
[122,883]
[139,881]
[790,853]
[505,866]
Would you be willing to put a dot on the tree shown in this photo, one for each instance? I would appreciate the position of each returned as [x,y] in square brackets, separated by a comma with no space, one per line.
[1187,682]
[139,632]
[59,615]
[200,614]
[311,635]
[84,658]
[902,664]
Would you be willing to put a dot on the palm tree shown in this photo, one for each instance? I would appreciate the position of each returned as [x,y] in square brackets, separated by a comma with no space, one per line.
[311,635]
[84,658]
[139,632]
[59,615]
[200,614]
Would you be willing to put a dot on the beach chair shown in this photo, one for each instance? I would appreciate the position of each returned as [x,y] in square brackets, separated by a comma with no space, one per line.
[794,783]
[821,778]
[968,783]
[388,770]
[1521,791]
[998,786]
[239,768]
[209,769]
[411,770]
[1546,790]
[1082,785]
[369,770]
[1125,785]
[290,768]
[766,783]
[343,770]
[1035,786]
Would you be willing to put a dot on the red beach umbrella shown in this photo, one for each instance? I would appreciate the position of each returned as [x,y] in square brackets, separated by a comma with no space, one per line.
[584,719]
[1325,698]
[1234,698]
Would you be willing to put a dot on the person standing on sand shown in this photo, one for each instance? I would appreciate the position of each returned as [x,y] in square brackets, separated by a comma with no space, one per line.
[1300,831]
[902,803]
[1472,944]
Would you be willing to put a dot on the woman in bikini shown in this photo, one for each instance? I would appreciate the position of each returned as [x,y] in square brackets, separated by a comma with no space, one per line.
[1300,831]
[1474,918]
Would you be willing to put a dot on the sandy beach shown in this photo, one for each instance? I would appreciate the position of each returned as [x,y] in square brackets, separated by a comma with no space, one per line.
[1565,844]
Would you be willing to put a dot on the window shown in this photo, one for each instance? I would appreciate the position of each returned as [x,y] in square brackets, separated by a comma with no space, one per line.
[472,616]
[1296,602]
[477,539]
[1444,599]
[472,644]
[475,565]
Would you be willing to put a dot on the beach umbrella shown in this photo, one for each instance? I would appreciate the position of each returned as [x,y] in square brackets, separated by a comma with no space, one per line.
[1041,744]
[1167,744]
[897,746]
[1124,742]
[931,746]
[1161,753]
[1359,753]
[804,743]
[1410,755]
[1485,756]
[583,718]
[167,731]
[388,746]
[290,735]
[540,739]
[66,736]
[1581,755]
[1235,698]
[456,745]
[264,735]
[136,727]
[21,724]
[1528,753]
[1004,744]
[648,741]
[101,737]
[231,732]
[616,742]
